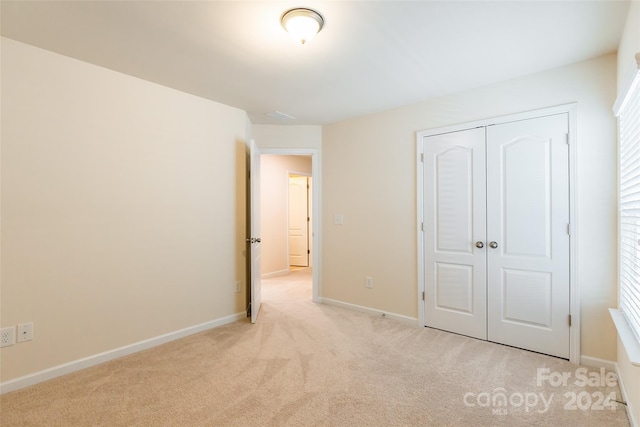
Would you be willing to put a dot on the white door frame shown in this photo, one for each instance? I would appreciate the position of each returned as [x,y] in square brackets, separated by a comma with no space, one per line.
[316,174]
[571,109]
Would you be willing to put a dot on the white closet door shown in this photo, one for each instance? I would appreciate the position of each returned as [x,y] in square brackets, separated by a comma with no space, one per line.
[527,219]
[454,220]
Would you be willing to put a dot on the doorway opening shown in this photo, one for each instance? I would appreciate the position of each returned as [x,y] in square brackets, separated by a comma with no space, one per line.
[290,234]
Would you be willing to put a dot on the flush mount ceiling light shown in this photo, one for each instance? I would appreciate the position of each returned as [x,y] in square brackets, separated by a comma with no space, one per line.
[303,24]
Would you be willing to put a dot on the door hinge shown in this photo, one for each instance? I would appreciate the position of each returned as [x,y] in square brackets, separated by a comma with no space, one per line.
[569,320]
[308,251]
[422,226]
[308,219]
[422,157]
[422,295]
[568,139]
[569,229]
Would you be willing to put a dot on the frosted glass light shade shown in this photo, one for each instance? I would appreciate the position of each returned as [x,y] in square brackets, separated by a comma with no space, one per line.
[302,24]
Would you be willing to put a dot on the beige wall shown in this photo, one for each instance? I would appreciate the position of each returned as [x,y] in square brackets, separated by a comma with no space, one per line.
[120,217]
[274,181]
[289,136]
[369,169]
[629,46]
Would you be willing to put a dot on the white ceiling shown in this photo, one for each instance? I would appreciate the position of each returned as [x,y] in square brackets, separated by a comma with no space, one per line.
[370,56]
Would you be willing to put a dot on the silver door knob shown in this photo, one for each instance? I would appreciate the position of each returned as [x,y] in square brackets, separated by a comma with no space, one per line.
[493,244]
[479,245]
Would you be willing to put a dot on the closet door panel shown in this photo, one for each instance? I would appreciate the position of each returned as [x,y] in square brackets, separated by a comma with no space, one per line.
[455,219]
[527,219]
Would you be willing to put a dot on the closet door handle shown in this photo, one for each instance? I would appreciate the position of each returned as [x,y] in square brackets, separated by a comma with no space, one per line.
[493,245]
[479,245]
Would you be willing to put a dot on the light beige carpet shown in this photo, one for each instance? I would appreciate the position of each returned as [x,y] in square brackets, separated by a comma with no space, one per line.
[307,364]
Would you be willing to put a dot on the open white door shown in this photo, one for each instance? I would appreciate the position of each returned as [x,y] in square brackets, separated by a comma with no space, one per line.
[254,239]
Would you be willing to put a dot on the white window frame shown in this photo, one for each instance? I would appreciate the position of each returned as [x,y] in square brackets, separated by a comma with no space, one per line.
[627,316]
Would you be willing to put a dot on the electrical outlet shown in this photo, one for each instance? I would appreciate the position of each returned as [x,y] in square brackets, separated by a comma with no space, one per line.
[7,336]
[25,332]
[369,282]
[237,288]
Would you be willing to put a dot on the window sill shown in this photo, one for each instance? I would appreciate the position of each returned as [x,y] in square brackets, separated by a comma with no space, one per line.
[628,338]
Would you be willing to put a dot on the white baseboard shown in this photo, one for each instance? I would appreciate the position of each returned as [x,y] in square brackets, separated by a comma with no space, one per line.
[405,319]
[106,356]
[275,273]
[630,408]
[609,365]
[595,362]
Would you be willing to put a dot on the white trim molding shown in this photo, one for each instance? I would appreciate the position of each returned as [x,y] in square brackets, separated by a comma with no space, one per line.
[609,365]
[372,311]
[632,81]
[595,362]
[628,338]
[96,359]
[275,273]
